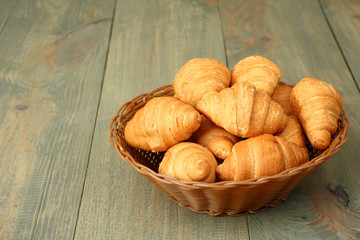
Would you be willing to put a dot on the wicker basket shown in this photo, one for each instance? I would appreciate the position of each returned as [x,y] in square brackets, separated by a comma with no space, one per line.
[220,198]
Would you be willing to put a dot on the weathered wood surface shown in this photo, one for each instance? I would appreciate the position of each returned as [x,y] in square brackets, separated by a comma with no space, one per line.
[344,19]
[52,60]
[296,36]
[151,40]
[6,8]
[67,66]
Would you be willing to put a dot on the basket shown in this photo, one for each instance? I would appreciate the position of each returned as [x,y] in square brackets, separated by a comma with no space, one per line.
[220,198]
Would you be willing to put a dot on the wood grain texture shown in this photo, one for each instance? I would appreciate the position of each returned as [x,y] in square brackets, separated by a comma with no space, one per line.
[5,12]
[298,39]
[151,40]
[344,19]
[52,59]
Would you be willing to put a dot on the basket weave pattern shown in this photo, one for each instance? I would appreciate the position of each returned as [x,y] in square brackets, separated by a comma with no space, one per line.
[220,198]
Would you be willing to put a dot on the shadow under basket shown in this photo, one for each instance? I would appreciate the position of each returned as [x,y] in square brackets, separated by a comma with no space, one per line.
[220,198]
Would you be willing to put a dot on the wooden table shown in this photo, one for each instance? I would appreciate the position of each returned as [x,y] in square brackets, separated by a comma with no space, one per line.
[67,66]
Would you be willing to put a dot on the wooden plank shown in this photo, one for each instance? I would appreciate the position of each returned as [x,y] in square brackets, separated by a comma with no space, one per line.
[344,19]
[151,40]
[52,60]
[5,12]
[296,36]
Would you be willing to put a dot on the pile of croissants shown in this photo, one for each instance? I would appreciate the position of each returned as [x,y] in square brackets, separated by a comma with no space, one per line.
[235,125]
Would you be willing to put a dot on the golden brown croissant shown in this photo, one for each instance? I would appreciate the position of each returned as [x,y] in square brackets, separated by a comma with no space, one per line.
[264,155]
[161,123]
[318,106]
[199,76]
[216,139]
[257,70]
[190,162]
[243,111]
[281,95]
[293,132]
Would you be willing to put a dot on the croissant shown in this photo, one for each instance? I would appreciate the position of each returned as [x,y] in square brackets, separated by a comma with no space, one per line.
[199,76]
[216,139]
[243,111]
[259,71]
[318,106]
[190,162]
[293,132]
[264,155]
[161,123]
[281,95]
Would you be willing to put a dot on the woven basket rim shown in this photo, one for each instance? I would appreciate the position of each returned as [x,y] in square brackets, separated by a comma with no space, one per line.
[140,101]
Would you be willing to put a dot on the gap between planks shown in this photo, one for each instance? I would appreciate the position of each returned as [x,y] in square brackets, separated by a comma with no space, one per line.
[96,116]
[223,33]
[7,18]
[338,44]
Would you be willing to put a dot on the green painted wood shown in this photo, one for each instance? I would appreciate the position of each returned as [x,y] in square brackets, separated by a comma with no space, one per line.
[5,12]
[151,40]
[344,19]
[296,36]
[52,60]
